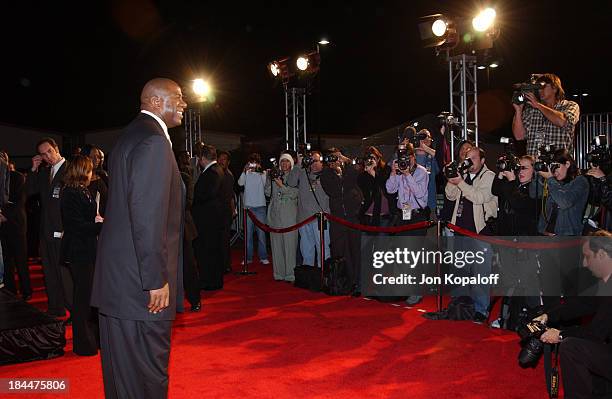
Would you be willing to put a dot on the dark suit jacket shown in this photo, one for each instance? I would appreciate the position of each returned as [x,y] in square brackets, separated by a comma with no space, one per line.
[190,229]
[15,211]
[38,183]
[345,197]
[140,246]
[80,229]
[208,210]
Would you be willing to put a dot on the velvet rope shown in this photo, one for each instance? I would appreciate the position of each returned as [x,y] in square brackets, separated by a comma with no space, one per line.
[270,229]
[375,229]
[512,244]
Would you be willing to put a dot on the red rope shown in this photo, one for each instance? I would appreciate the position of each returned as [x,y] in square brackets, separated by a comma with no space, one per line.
[512,244]
[270,229]
[395,229]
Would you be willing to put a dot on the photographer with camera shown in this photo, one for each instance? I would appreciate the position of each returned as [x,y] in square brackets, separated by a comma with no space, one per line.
[253,179]
[305,176]
[282,212]
[600,180]
[564,195]
[544,117]
[474,205]
[378,204]
[517,216]
[339,180]
[585,350]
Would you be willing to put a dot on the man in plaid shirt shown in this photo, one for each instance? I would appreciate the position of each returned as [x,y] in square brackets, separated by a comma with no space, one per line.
[550,121]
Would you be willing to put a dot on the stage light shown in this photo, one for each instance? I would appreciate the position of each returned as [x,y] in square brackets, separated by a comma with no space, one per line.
[437,30]
[585,94]
[302,63]
[201,88]
[484,20]
[438,27]
[323,41]
[481,67]
[274,68]
[493,65]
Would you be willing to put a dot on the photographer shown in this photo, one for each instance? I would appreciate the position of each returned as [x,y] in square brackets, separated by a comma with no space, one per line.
[282,212]
[474,204]
[312,199]
[600,180]
[426,157]
[585,350]
[562,211]
[446,213]
[253,179]
[516,217]
[339,181]
[547,120]
[376,209]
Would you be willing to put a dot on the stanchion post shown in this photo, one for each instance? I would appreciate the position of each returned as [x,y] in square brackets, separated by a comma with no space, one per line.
[245,268]
[322,242]
[439,267]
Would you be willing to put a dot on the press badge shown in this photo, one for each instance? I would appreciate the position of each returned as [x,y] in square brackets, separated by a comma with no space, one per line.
[56,191]
[406,212]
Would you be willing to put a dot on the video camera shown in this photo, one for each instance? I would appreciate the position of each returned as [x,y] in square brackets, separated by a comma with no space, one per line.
[508,162]
[600,152]
[545,159]
[531,86]
[454,169]
[447,118]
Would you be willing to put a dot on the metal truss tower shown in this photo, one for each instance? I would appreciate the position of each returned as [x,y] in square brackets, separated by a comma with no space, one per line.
[463,95]
[295,117]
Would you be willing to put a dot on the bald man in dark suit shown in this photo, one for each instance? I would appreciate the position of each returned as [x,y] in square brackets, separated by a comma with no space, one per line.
[138,277]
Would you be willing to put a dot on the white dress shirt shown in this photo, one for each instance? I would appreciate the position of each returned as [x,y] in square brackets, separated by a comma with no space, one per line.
[57,167]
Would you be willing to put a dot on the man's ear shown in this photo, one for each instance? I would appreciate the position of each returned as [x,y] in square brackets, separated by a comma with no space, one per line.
[155,101]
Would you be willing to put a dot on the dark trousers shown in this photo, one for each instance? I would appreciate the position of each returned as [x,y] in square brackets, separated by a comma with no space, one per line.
[84,318]
[581,359]
[135,356]
[191,281]
[14,251]
[225,242]
[346,243]
[209,254]
[58,280]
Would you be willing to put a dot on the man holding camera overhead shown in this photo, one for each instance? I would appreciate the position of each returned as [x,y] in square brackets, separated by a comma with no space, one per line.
[548,118]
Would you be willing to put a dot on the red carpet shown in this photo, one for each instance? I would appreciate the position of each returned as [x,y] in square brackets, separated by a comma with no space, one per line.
[259,338]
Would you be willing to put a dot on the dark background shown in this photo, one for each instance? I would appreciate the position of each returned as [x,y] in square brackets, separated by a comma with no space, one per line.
[76,67]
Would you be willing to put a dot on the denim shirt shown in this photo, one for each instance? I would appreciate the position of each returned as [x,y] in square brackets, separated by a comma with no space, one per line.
[570,197]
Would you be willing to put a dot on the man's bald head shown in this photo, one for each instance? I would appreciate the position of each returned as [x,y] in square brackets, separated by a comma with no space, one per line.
[163,98]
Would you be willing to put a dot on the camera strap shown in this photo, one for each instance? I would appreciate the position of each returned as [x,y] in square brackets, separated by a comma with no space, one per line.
[553,393]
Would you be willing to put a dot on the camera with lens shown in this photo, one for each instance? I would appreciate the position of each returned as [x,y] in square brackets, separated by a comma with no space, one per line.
[546,159]
[531,86]
[307,159]
[369,160]
[530,334]
[600,152]
[403,159]
[330,158]
[454,169]
[275,172]
[448,118]
[416,139]
[253,167]
[508,162]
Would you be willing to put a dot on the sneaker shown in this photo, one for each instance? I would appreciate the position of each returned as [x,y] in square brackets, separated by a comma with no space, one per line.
[413,300]
[496,323]
[264,262]
[479,318]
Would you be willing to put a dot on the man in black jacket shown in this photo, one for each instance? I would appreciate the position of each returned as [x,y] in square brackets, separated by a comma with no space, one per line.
[210,216]
[13,234]
[586,350]
[339,181]
[138,281]
[46,179]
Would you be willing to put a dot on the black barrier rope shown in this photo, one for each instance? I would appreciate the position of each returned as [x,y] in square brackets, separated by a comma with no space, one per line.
[513,244]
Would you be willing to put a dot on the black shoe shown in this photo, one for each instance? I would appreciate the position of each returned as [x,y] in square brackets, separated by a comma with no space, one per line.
[26,297]
[479,318]
[197,307]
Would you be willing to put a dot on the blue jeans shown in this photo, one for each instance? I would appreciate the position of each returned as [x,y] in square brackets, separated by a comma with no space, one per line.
[480,294]
[260,214]
[310,243]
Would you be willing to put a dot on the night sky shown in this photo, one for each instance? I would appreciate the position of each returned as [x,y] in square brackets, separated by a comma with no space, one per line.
[76,67]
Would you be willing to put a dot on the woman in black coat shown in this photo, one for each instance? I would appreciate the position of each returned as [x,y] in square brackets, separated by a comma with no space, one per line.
[81,227]
[378,205]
